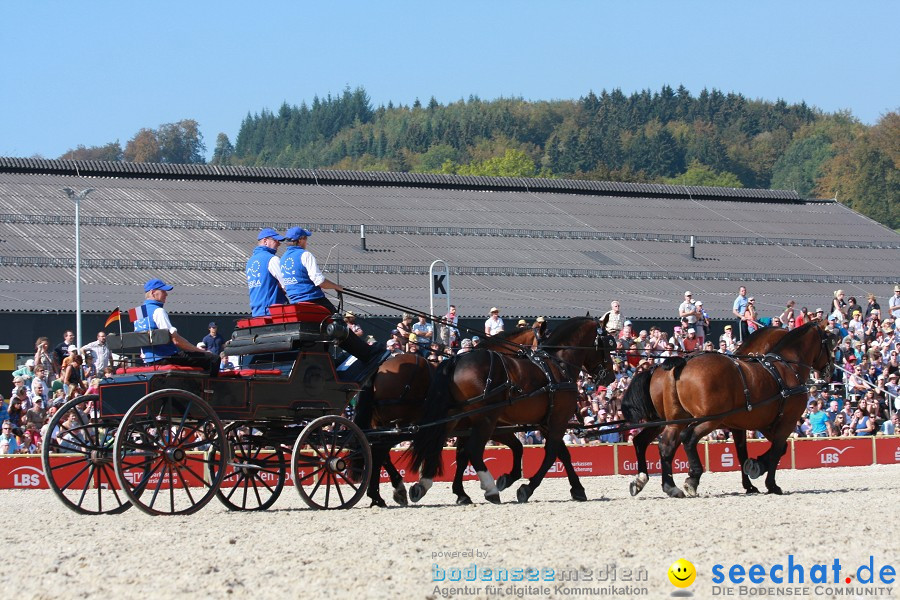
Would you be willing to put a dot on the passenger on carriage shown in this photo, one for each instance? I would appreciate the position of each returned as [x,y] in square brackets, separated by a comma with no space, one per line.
[304,281]
[177,352]
[264,279]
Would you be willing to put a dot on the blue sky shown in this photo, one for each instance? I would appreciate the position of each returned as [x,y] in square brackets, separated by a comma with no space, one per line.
[94,72]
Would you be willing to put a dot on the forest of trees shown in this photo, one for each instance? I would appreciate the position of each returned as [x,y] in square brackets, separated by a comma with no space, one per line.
[712,138]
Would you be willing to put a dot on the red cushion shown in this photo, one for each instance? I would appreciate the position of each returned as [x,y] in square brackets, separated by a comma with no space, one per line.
[157,368]
[301,312]
[254,322]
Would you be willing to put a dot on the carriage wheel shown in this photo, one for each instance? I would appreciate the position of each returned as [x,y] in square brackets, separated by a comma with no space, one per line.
[83,476]
[254,472]
[331,463]
[160,453]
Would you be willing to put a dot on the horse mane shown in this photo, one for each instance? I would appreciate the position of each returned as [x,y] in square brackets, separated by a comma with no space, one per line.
[793,335]
[564,331]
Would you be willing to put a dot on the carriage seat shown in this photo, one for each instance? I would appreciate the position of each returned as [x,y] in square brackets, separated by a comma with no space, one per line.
[135,340]
[301,312]
[252,373]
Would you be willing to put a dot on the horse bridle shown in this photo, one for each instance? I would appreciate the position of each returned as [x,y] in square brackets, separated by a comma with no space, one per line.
[602,341]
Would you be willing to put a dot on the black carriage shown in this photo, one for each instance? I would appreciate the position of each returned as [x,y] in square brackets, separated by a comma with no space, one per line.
[168,438]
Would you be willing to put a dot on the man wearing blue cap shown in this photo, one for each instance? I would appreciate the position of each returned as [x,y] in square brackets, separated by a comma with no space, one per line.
[264,279]
[152,315]
[303,282]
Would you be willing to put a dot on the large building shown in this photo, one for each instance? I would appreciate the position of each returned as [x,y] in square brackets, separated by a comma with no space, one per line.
[532,247]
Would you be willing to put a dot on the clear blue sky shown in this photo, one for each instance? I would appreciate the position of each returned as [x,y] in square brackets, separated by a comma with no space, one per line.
[94,72]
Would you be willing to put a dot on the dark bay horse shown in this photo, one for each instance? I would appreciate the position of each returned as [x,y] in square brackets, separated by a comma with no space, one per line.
[767,394]
[396,399]
[652,382]
[488,389]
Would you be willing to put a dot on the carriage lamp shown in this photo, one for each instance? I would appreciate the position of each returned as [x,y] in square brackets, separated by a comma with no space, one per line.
[337,330]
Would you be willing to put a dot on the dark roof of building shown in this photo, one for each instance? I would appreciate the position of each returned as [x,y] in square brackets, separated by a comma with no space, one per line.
[532,246]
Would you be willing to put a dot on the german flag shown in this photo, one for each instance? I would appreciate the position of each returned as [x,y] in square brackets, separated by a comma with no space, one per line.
[113,317]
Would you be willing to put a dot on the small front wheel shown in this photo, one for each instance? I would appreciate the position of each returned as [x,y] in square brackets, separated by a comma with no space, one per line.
[331,463]
[254,473]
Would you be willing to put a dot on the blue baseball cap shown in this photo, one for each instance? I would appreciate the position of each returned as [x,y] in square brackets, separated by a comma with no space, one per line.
[268,232]
[156,284]
[295,233]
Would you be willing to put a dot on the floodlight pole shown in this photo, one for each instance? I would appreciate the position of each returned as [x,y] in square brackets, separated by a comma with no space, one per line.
[77,197]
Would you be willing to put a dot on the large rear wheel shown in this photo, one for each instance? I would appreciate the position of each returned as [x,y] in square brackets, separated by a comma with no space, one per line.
[331,463]
[78,459]
[161,450]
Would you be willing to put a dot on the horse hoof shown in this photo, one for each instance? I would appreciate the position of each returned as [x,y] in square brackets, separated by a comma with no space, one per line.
[752,490]
[400,496]
[380,503]
[775,490]
[523,494]
[752,468]
[579,495]
[464,500]
[502,483]
[674,492]
[416,492]
[492,498]
[689,490]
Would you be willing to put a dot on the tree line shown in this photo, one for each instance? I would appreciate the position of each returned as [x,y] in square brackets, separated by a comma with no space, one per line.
[712,138]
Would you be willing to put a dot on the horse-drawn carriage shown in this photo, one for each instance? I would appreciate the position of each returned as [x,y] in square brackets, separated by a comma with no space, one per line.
[168,438]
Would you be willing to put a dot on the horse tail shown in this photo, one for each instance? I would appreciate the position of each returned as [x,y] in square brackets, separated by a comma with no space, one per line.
[428,442]
[637,405]
[365,406]
[675,364]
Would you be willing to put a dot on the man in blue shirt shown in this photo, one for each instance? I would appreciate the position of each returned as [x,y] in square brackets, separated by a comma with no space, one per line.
[303,282]
[214,342]
[738,309]
[820,426]
[264,273]
[177,352]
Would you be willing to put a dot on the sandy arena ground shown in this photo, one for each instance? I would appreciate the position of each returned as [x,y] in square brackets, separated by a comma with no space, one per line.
[293,552]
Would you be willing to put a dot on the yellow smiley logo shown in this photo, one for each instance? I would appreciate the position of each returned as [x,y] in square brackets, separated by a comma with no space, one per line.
[682,573]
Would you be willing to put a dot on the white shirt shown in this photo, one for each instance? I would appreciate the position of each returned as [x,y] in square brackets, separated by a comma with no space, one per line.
[492,326]
[894,304]
[275,270]
[101,354]
[312,268]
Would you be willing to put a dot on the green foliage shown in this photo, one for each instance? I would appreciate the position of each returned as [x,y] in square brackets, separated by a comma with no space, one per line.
[223,152]
[110,152]
[177,143]
[699,174]
[801,165]
[514,163]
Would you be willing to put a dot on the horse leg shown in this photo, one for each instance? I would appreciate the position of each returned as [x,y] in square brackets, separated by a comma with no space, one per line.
[475,450]
[462,460]
[379,457]
[691,437]
[641,441]
[668,444]
[576,489]
[740,444]
[778,436]
[400,496]
[551,451]
[513,443]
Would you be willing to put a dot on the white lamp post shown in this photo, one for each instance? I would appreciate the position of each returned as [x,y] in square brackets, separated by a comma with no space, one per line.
[77,197]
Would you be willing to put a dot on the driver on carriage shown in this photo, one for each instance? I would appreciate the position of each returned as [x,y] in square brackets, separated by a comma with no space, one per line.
[304,281]
[177,352]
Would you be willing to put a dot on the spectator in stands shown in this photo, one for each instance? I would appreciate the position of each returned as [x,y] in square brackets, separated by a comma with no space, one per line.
[88,369]
[723,347]
[856,327]
[412,344]
[862,424]
[776,322]
[35,415]
[751,317]
[677,339]
[8,443]
[838,304]
[852,306]
[522,324]
[871,305]
[61,350]
[476,341]
[465,346]
[787,316]
[891,427]
[688,310]
[99,350]
[28,446]
[42,355]
[894,303]
[820,425]
[265,281]
[691,342]
[728,337]
[614,319]
[352,326]
[739,309]
[404,327]
[840,426]
[20,393]
[215,343]
[450,329]
[73,378]
[802,318]
[26,372]
[4,409]
[494,323]
[424,334]
[702,324]
[394,347]
[16,410]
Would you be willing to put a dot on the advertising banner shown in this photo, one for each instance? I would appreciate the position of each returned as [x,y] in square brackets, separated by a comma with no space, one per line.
[833,452]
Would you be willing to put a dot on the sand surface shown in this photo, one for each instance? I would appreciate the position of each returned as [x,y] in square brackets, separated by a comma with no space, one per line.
[294,552]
